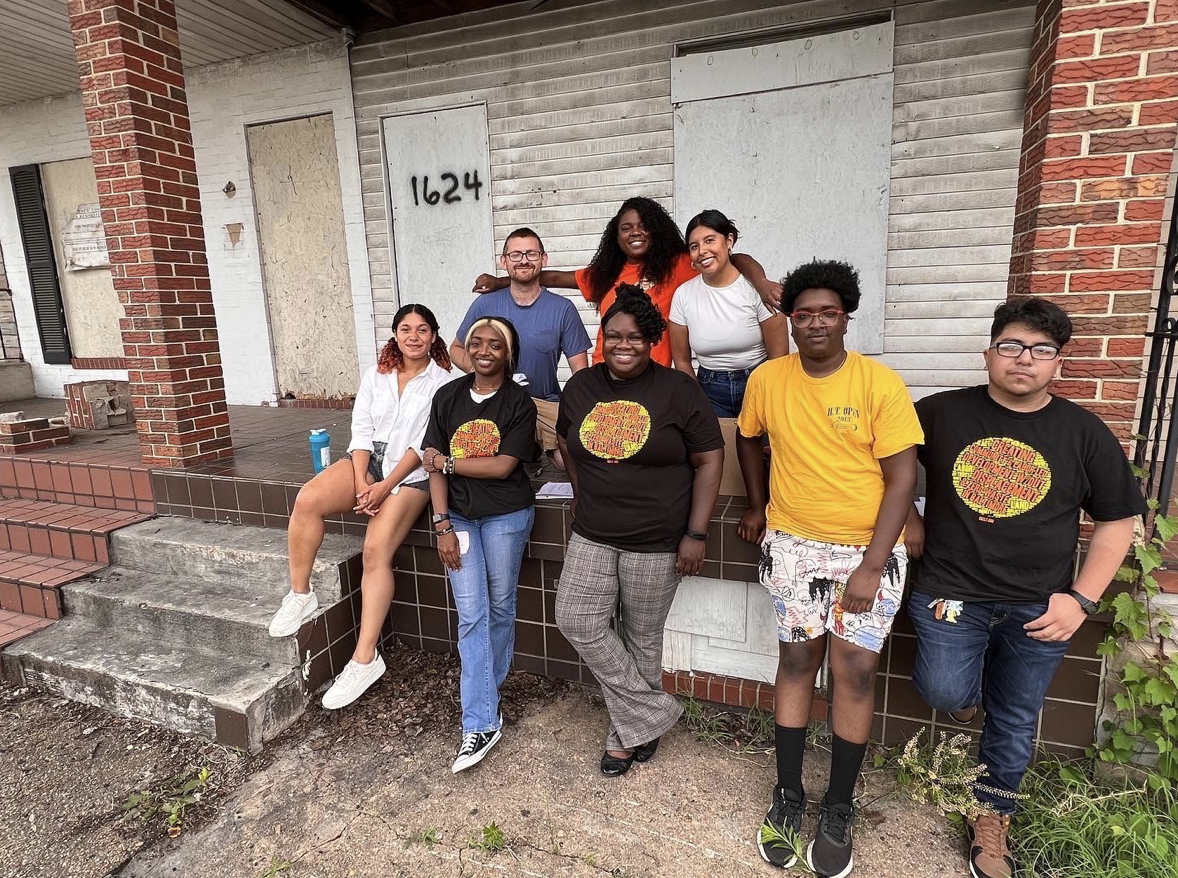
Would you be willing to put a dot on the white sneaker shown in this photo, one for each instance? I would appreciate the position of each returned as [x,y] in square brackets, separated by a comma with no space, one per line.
[474,746]
[295,610]
[352,682]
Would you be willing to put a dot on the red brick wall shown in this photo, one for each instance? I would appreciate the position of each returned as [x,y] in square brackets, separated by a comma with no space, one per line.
[1098,139]
[137,118]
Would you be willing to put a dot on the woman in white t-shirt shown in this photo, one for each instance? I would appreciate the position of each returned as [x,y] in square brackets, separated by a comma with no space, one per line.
[380,477]
[719,318]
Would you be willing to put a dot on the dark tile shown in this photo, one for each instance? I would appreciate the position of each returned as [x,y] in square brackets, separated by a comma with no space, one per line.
[435,623]
[739,572]
[224,494]
[1071,724]
[435,645]
[564,671]
[1087,638]
[278,522]
[558,647]
[159,486]
[312,638]
[405,587]
[530,605]
[548,526]
[1076,680]
[273,498]
[545,551]
[550,607]
[339,619]
[529,638]
[529,664]
[232,728]
[426,560]
[404,619]
[738,550]
[904,700]
[340,651]
[899,731]
[253,519]
[403,559]
[552,572]
[903,655]
[203,513]
[319,673]
[201,491]
[432,591]
[177,487]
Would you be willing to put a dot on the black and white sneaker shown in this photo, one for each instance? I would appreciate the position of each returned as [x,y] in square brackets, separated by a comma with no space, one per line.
[778,835]
[829,854]
[474,746]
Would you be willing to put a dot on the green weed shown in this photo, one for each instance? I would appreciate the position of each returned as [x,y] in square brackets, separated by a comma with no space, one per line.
[170,801]
[491,840]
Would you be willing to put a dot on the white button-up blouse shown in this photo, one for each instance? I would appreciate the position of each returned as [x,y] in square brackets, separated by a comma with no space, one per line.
[380,415]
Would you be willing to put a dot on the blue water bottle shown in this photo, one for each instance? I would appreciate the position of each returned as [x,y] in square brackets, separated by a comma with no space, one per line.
[320,450]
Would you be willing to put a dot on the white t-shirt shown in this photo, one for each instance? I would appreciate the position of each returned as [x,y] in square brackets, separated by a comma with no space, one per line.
[723,323]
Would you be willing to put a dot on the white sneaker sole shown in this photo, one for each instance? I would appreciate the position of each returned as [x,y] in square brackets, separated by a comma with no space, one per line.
[475,758]
[810,863]
[788,864]
[308,612]
[376,669]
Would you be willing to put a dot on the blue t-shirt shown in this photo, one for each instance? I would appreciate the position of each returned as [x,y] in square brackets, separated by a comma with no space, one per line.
[548,328]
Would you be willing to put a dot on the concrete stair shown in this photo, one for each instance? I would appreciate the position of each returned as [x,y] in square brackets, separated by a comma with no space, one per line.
[174,632]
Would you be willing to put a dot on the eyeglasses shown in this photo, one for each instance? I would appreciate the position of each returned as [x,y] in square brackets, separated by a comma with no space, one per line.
[519,255]
[1014,349]
[825,318]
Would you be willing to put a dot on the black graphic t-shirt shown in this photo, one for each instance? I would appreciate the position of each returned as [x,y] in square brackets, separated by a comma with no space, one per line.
[630,442]
[1005,490]
[501,424]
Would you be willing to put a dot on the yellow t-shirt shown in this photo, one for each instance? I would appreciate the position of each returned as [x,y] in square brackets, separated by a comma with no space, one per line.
[827,436]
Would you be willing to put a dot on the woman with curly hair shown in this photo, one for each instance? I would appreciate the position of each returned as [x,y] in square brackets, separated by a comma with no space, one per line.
[381,477]
[644,454]
[641,245]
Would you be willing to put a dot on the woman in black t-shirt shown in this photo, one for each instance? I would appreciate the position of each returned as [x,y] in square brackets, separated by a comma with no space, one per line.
[645,455]
[481,427]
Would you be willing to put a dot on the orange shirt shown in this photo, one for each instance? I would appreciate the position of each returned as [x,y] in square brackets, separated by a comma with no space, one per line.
[660,294]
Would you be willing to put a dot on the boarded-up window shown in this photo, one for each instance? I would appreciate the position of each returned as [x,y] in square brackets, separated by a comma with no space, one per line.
[42,267]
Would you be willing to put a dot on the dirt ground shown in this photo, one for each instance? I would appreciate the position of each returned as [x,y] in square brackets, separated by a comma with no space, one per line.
[368,791]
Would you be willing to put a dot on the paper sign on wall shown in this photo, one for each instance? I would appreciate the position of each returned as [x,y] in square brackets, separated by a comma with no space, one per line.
[84,240]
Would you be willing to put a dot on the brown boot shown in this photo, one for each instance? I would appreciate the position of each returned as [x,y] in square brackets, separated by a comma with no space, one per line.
[989,848]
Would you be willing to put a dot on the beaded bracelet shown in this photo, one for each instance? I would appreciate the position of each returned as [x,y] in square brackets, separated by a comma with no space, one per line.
[449,530]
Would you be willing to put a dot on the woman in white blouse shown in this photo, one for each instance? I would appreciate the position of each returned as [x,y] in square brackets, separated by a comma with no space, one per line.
[382,478]
[720,318]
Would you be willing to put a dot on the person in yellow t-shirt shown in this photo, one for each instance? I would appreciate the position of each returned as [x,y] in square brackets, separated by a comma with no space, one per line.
[843,434]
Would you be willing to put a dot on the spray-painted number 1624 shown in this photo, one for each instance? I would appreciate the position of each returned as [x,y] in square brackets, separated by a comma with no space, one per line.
[470,182]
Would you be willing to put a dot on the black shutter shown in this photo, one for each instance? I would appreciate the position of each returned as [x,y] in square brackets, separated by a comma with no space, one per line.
[34,231]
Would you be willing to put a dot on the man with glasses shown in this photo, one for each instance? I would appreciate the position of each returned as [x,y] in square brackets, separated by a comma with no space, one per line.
[548,326]
[1009,468]
[842,434]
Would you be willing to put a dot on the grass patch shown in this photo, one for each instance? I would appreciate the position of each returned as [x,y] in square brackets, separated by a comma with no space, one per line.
[1072,825]
[170,801]
[491,840]
[746,730]
[428,837]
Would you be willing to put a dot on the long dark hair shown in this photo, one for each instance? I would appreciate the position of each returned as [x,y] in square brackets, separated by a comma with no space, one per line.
[666,246]
[392,360]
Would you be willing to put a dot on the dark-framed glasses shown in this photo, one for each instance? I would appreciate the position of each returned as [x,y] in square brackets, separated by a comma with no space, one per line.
[828,317]
[1014,349]
[520,255]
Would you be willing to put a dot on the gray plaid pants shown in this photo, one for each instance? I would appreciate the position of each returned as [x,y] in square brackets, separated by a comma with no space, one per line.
[629,665]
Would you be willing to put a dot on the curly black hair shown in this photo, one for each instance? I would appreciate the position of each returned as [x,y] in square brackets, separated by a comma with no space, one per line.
[821,274]
[666,245]
[1036,314]
[634,301]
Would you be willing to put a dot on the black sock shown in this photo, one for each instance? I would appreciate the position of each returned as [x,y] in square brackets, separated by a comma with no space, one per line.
[845,761]
[791,745]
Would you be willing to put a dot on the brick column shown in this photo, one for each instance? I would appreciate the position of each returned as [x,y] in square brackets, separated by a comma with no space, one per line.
[1099,133]
[140,137]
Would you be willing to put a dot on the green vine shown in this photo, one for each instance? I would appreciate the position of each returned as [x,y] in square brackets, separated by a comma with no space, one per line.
[1148,704]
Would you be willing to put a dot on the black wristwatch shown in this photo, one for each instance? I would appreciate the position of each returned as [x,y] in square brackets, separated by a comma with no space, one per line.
[695,535]
[1089,606]
[441,516]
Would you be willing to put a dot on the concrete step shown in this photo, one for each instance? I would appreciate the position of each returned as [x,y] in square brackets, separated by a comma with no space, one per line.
[235,700]
[189,549]
[230,616]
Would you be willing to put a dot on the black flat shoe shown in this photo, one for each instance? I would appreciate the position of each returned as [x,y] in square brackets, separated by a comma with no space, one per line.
[612,766]
[646,752]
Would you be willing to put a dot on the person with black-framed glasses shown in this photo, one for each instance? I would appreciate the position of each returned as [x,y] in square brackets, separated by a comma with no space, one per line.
[1009,467]
[842,431]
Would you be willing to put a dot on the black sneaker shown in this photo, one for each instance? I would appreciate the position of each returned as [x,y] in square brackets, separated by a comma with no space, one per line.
[829,854]
[777,837]
[474,746]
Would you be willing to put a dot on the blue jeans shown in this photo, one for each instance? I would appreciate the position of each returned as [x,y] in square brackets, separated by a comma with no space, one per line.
[725,390]
[484,595]
[985,657]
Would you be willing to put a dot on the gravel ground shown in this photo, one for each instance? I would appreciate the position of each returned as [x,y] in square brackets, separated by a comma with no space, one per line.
[368,791]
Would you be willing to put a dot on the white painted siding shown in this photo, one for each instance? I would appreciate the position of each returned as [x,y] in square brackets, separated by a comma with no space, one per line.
[580,117]
[223,100]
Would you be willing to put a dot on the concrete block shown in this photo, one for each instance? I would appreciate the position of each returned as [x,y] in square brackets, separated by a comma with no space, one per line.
[16,381]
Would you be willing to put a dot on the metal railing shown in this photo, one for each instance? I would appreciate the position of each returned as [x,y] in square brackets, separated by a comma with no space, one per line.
[1157,443]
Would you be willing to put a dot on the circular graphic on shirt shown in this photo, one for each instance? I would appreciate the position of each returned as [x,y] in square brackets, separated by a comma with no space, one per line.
[999,477]
[477,438]
[615,430]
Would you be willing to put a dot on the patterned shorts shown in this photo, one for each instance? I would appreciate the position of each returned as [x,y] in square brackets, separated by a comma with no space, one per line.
[806,578]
